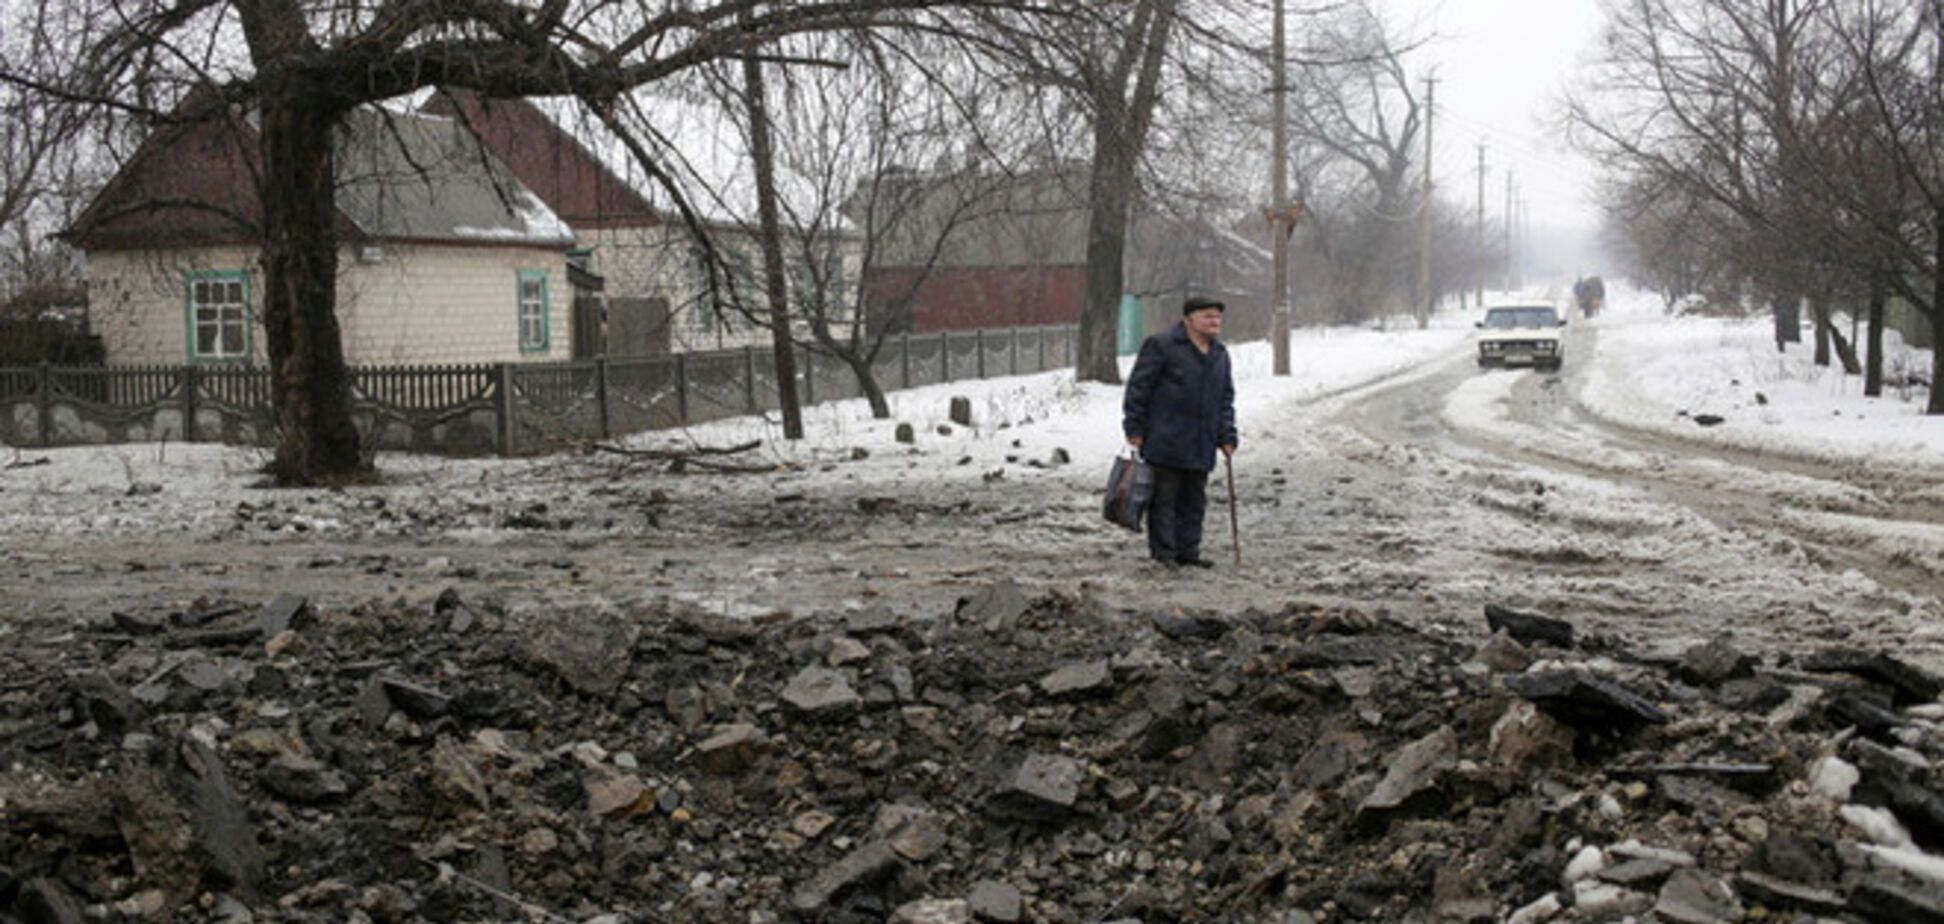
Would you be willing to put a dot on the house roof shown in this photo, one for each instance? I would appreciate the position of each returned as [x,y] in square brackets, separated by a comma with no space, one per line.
[400,177]
[583,171]
[552,162]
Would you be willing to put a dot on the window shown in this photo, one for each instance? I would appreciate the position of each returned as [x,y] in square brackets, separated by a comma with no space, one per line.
[218,306]
[533,311]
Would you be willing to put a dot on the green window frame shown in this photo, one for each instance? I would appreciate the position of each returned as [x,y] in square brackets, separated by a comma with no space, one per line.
[216,316]
[531,297]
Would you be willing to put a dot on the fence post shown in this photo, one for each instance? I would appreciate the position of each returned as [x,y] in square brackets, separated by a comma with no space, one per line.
[944,356]
[809,378]
[749,379]
[978,344]
[601,395]
[44,397]
[681,389]
[904,356]
[503,406]
[1013,354]
[1042,349]
[191,380]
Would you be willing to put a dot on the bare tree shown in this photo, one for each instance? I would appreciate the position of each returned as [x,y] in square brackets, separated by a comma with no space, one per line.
[856,203]
[1107,67]
[308,65]
[46,157]
[1899,52]
[1806,130]
[1357,119]
[855,140]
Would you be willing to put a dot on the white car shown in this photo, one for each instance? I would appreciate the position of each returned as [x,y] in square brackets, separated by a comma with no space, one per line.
[1521,335]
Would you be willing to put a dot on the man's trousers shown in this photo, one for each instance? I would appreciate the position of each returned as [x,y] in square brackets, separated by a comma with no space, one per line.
[1174,516]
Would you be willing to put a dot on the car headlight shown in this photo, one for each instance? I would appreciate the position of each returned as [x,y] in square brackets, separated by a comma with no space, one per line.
[1546,346]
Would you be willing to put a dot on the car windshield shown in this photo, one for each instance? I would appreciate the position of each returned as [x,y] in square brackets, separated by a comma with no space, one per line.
[1521,317]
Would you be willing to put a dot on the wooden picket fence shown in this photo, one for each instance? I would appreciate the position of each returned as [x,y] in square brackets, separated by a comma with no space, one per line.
[505,408]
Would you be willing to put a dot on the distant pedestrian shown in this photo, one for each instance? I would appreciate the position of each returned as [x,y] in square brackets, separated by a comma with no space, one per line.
[1178,410]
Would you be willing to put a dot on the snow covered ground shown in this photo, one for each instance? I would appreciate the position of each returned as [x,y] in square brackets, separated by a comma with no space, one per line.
[1658,373]
[1648,372]
[1385,474]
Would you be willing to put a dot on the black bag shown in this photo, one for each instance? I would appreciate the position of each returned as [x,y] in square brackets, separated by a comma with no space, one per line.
[1130,485]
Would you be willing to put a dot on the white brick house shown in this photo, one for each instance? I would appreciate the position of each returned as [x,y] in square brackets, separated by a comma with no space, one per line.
[445,256]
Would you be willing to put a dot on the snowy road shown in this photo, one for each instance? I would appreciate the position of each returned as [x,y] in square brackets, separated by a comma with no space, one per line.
[1535,501]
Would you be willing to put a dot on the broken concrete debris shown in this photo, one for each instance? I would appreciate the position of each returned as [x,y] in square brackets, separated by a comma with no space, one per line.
[1022,756]
[1529,628]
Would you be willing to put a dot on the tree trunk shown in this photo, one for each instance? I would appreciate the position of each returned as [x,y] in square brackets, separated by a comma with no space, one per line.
[1845,351]
[1819,314]
[1122,112]
[867,382]
[1108,201]
[1936,313]
[309,385]
[1936,405]
[1873,355]
[1788,323]
[778,285]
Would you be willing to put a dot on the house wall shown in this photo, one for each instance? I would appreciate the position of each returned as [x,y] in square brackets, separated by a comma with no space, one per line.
[138,305]
[443,304]
[988,297]
[655,263]
[416,304]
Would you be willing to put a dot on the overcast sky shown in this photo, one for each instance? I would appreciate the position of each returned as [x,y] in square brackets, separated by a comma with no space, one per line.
[1503,66]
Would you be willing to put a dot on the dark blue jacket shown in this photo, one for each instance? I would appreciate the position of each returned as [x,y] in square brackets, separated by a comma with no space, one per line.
[1180,400]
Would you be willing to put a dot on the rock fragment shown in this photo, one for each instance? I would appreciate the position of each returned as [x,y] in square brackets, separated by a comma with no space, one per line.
[1713,663]
[991,900]
[820,692]
[863,865]
[1912,684]
[303,779]
[617,795]
[591,650]
[219,822]
[994,607]
[1585,701]
[1044,787]
[933,911]
[732,749]
[1077,681]
[1414,780]
[1791,896]
[1529,628]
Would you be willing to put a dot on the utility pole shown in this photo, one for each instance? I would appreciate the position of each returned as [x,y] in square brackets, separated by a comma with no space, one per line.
[1424,215]
[1280,218]
[1521,242]
[1478,274]
[774,278]
[1508,231]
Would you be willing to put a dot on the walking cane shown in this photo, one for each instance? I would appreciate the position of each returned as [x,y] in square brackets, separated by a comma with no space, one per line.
[1235,532]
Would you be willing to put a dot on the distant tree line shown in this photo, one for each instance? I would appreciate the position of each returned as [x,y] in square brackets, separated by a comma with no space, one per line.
[1783,153]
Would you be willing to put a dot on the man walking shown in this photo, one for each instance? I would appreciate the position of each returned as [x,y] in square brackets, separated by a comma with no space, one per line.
[1179,409]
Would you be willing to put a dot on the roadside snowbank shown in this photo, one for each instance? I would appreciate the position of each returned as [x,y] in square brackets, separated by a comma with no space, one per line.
[1662,374]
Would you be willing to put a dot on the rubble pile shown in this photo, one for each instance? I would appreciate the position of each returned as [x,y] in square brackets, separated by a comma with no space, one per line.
[1018,758]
